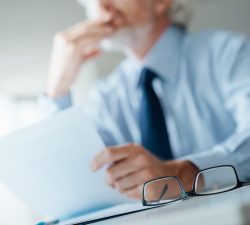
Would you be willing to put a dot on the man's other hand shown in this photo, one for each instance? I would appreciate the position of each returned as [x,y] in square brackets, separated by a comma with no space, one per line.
[70,49]
[130,166]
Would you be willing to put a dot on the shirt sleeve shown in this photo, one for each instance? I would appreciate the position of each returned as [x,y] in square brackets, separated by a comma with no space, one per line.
[233,79]
[99,107]
[48,106]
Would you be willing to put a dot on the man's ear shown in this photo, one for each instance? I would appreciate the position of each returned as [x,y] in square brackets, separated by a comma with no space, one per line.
[162,6]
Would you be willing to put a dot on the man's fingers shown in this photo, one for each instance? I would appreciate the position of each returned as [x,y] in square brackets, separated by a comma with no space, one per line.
[87,42]
[135,179]
[84,30]
[81,27]
[134,193]
[110,156]
[91,54]
[124,168]
[126,183]
[94,32]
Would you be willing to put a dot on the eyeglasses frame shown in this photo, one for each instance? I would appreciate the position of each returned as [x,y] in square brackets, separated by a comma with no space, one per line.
[186,195]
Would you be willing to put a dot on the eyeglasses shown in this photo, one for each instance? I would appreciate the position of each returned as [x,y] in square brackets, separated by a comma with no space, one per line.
[214,180]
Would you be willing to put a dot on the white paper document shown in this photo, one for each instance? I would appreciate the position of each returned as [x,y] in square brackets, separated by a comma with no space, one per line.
[47,166]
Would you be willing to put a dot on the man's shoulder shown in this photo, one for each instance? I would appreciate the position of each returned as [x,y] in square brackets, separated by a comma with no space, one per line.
[215,39]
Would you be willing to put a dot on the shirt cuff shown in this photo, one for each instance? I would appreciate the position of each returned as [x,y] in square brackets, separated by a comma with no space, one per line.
[218,156]
[64,101]
[48,106]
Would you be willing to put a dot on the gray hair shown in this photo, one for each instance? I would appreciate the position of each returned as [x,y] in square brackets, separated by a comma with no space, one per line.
[180,12]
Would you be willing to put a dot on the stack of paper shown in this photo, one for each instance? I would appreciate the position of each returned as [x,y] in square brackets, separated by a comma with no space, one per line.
[48,167]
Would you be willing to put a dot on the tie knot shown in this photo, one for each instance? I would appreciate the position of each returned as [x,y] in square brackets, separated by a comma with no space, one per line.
[147,76]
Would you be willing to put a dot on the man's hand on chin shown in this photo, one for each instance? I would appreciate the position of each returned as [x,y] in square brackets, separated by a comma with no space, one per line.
[132,165]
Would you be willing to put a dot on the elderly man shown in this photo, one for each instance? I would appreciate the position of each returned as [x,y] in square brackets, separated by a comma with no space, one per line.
[177,104]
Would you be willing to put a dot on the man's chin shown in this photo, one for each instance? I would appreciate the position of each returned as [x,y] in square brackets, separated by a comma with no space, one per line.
[120,41]
[126,39]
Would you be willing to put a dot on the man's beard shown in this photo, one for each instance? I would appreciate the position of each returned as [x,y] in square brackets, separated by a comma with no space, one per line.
[124,39]
[127,39]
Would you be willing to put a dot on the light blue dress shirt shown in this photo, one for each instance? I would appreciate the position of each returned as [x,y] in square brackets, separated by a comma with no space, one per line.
[204,89]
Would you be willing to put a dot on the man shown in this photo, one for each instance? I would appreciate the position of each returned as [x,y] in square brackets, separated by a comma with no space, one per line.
[177,104]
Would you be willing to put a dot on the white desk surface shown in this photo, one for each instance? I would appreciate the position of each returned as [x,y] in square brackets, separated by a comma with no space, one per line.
[222,209]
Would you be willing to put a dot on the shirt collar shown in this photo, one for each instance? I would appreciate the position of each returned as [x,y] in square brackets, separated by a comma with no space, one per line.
[164,56]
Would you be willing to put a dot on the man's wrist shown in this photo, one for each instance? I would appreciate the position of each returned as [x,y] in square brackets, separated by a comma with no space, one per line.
[184,170]
[187,172]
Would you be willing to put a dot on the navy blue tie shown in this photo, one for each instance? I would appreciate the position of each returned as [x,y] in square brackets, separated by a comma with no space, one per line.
[152,120]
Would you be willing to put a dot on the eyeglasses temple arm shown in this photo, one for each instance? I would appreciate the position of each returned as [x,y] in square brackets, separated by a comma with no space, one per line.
[245,184]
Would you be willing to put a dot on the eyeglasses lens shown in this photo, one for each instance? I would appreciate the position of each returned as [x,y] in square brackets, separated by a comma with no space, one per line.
[161,191]
[215,180]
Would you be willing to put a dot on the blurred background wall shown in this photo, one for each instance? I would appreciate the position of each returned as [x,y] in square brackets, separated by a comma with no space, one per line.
[26,32]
